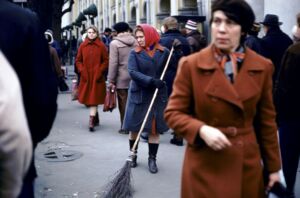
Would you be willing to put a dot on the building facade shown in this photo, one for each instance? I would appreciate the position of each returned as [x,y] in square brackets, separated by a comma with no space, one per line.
[153,11]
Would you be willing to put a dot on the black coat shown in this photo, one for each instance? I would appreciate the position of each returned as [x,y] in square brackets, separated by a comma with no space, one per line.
[274,45]
[182,50]
[24,45]
[287,95]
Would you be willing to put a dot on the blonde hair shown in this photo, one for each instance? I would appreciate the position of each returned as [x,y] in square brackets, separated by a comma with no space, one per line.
[93,28]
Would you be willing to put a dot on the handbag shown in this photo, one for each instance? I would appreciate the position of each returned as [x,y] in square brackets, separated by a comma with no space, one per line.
[110,99]
[74,94]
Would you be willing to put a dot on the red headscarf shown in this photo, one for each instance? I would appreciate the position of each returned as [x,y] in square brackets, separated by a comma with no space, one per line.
[151,35]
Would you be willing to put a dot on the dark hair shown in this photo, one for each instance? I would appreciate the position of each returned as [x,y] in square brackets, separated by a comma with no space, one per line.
[236,10]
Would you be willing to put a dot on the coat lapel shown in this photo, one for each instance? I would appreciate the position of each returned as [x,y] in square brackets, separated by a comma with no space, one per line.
[245,84]
[219,86]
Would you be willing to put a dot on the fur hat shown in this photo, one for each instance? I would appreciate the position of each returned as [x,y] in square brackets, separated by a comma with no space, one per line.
[237,10]
[121,27]
[271,20]
[191,25]
[49,36]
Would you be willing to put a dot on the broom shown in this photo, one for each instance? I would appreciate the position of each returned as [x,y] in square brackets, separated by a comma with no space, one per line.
[120,186]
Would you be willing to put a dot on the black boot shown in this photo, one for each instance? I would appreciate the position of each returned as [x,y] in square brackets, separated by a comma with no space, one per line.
[152,157]
[134,154]
[97,120]
[92,123]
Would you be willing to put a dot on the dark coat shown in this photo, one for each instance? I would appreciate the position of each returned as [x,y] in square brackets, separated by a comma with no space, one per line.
[287,94]
[203,95]
[92,62]
[254,43]
[26,48]
[274,45]
[142,70]
[183,50]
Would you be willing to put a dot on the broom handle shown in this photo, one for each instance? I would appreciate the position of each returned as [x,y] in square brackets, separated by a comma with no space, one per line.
[152,102]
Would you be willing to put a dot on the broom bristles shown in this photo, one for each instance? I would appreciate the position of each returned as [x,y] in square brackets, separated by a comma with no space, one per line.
[120,186]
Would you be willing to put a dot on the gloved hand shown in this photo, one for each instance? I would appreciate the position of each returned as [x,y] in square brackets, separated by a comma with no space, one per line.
[157,83]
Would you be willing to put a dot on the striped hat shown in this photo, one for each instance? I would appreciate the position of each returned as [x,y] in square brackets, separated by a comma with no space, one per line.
[191,25]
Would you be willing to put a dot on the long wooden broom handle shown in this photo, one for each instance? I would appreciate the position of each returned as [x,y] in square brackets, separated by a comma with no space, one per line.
[152,102]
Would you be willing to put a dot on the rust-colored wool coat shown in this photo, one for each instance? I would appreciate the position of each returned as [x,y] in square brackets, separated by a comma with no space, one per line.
[203,95]
[92,62]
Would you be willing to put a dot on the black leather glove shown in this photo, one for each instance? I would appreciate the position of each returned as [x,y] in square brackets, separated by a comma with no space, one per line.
[158,83]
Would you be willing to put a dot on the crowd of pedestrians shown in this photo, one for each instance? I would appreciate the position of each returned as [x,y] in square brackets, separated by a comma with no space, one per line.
[225,99]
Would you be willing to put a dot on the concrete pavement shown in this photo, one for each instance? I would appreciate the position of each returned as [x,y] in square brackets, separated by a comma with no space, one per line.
[103,153]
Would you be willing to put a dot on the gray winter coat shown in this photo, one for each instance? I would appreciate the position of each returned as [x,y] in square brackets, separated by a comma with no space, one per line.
[119,50]
[142,70]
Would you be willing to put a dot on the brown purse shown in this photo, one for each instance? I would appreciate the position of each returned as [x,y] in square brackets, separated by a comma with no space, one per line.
[110,99]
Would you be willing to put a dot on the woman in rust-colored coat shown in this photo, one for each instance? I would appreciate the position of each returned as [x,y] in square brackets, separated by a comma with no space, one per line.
[92,62]
[217,95]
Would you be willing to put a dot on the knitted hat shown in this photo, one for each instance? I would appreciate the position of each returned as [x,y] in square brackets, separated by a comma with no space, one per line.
[191,25]
[237,10]
[121,27]
[49,36]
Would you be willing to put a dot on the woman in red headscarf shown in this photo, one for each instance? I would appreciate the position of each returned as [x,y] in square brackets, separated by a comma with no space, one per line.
[145,65]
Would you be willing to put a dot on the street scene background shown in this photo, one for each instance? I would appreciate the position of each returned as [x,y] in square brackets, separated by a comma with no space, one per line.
[103,153]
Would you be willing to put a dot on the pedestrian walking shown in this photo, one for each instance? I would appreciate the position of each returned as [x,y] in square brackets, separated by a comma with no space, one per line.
[275,42]
[145,65]
[171,32]
[217,95]
[196,39]
[252,40]
[287,99]
[92,62]
[55,62]
[15,141]
[27,51]
[118,75]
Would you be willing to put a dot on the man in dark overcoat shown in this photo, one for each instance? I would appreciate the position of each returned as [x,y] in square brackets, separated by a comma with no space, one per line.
[170,25]
[23,43]
[275,42]
[287,104]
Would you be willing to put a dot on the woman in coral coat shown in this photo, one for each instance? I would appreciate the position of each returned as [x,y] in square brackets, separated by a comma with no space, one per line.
[217,95]
[92,62]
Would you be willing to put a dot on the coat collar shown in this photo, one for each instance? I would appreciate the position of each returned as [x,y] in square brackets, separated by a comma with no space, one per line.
[219,86]
[96,42]
[138,49]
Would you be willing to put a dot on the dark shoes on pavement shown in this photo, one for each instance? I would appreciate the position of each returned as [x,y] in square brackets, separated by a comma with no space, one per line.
[152,164]
[122,131]
[92,123]
[133,161]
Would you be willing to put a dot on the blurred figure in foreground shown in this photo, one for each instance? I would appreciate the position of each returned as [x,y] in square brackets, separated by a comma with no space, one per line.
[15,140]
[287,99]
[26,48]
[217,95]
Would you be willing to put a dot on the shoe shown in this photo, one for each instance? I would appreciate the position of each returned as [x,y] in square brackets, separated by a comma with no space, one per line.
[152,165]
[92,123]
[122,131]
[133,163]
[97,120]
[178,142]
